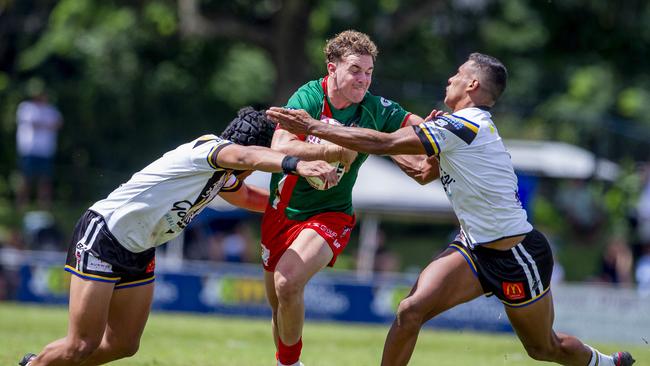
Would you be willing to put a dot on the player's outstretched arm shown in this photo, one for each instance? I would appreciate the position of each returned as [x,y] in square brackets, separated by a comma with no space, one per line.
[248,197]
[289,143]
[402,141]
[421,168]
[239,157]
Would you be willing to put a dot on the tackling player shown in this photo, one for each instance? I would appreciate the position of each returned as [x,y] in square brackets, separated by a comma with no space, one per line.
[304,229]
[112,252]
[497,251]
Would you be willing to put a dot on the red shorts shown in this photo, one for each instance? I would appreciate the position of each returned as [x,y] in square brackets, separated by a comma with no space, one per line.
[278,233]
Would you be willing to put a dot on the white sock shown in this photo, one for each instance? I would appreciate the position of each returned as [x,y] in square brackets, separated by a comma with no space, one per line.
[300,364]
[599,359]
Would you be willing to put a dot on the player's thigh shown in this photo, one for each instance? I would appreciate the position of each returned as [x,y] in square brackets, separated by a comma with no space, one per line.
[128,313]
[446,282]
[88,308]
[307,255]
[533,323]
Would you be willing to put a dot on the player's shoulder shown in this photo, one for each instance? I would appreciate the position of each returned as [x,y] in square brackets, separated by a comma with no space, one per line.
[381,109]
[378,103]
[308,97]
[313,87]
[208,140]
[467,124]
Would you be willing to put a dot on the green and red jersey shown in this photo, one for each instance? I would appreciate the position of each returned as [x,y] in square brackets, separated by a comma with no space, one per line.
[293,194]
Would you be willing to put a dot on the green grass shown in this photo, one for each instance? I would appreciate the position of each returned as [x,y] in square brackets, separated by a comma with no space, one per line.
[180,339]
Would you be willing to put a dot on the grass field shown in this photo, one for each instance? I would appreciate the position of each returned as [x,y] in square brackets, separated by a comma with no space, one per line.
[179,340]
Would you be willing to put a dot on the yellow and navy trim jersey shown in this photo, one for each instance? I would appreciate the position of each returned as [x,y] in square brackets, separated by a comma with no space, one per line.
[476,173]
[446,132]
[159,201]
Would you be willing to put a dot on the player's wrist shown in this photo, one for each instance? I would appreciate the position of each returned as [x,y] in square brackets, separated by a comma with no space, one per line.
[312,127]
[332,153]
[290,164]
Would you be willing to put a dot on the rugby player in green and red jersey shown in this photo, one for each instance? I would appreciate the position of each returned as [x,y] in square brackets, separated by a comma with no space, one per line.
[305,229]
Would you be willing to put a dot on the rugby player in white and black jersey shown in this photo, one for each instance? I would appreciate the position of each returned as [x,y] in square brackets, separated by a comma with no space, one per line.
[497,251]
[112,252]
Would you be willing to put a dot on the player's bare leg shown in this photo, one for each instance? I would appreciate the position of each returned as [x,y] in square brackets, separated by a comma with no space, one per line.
[534,327]
[88,314]
[307,255]
[443,284]
[127,318]
[269,284]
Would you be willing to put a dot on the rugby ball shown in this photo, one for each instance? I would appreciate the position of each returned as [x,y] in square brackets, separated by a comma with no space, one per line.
[317,182]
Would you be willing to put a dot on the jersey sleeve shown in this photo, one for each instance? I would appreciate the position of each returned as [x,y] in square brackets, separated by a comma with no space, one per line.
[446,133]
[308,97]
[205,150]
[232,184]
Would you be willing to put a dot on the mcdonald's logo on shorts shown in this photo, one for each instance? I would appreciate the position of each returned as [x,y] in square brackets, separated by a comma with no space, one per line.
[151,266]
[513,290]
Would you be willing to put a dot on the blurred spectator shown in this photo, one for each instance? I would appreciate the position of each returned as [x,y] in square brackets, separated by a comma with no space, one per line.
[642,272]
[558,269]
[643,208]
[211,236]
[616,262]
[386,260]
[237,245]
[36,137]
[41,231]
[4,284]
[580,207]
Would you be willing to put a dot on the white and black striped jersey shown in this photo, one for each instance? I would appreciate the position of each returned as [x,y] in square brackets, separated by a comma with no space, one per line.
[477,174]
[159,201]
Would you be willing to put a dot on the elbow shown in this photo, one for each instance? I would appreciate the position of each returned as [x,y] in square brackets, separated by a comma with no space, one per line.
[421,181]
[424,180]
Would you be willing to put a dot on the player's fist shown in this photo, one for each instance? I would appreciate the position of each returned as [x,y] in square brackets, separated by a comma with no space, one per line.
[324,172]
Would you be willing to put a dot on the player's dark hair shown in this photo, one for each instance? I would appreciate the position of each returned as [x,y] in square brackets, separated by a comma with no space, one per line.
[250,127]
[493,73]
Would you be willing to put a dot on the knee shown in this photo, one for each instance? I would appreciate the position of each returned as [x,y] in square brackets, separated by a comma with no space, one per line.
[123,350]
[409,314]
[287,289]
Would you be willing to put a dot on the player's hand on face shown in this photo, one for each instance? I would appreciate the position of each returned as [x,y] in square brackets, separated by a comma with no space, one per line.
[296,121]
[347,157]
[320,169]
[434,114]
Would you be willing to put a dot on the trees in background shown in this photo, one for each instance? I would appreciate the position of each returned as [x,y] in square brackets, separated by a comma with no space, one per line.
[134,78]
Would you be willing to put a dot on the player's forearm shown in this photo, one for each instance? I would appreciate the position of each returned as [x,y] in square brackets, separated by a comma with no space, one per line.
[365,140]
[256,199]
[359,139]
[422,169]
[260,158]
[248,197]
[307,151]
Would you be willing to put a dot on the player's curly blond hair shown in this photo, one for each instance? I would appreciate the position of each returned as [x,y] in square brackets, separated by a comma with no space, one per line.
[349,42]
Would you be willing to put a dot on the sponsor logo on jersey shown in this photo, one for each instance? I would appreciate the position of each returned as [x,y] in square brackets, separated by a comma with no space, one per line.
[446,181]
[185,211]
[440,122]
[385,102]
[513,290]
[448,120]
[98,265]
